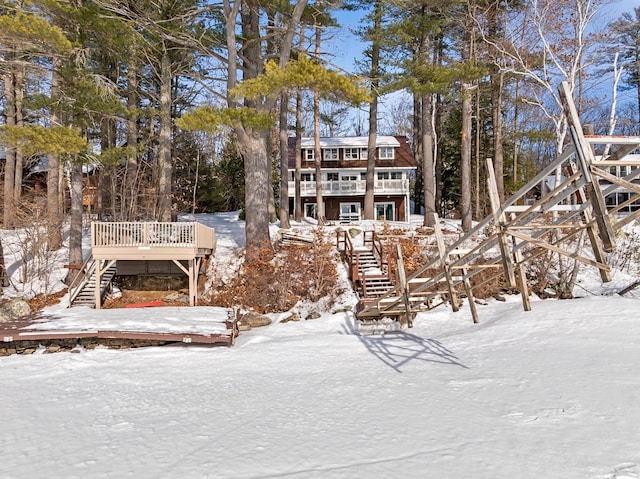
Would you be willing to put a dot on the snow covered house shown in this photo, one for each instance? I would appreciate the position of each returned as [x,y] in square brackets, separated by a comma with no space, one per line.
[344,166]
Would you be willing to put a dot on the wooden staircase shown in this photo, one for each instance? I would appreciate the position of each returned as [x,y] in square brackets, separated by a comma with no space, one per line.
[566,213]
[368,271]
[82,290]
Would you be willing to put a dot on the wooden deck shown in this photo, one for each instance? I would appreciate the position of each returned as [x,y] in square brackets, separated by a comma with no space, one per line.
[180,242]
[199,325]
[151,241]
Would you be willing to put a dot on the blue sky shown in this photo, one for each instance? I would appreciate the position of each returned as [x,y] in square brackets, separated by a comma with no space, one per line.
[346,47]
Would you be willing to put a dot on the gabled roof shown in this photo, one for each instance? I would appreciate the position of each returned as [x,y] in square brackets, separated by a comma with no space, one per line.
[403,155]
[351,142]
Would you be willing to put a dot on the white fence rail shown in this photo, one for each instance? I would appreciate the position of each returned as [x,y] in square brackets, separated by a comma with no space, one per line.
[167,235]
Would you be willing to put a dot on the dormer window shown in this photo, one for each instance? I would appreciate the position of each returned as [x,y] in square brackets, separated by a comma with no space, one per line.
[309,154]
[386,152]
[351,153]
[330,154]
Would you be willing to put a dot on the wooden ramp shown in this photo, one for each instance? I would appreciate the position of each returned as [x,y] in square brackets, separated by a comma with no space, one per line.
[144,326]
[564,205]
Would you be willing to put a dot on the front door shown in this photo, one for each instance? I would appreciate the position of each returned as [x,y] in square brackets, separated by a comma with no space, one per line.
[384,211]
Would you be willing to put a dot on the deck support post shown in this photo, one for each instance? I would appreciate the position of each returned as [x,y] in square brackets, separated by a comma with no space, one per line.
[99,271]
[192,274]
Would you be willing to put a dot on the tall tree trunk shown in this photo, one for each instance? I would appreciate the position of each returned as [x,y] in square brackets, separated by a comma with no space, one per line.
[257,192]
[54,216]
[496,77]
[297,208]
[19,87]
[297,212]
[317,160]
[165,166]
[369,195]
[418,194]
[10,161]
[131,189]
[284,162]
[316,129]
[428,166]
[75,230]
[4,277]
[465,154]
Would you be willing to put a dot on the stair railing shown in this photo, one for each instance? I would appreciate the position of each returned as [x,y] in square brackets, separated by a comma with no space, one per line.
[81,278]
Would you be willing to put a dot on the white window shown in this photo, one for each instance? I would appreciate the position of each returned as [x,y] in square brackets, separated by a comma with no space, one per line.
[386,152]
[349,211]
[351,153]
[389,175]
[330,154]
[364,153]
[333,176]
[309,154]
[307,177]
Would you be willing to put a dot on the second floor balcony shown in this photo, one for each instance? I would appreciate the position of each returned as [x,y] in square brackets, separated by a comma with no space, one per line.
[351,187]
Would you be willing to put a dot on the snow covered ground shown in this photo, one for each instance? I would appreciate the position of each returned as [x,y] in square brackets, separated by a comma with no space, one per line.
[550,393]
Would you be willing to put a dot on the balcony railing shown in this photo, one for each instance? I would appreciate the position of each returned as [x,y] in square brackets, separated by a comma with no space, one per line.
[166,235]
[350,187]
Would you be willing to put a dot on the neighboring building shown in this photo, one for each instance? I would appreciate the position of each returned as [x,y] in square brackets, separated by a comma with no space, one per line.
[622,196]
[344,168]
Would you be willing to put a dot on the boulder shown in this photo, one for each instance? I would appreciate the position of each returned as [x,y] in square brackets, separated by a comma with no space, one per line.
[13,309]
[176,297]
[255,320]
[313,315]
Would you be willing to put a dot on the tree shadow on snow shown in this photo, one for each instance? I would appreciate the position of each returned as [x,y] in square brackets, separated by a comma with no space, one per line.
[400,348]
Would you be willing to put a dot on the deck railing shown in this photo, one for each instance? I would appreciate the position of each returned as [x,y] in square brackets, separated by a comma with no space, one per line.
[350,187]
[166,235]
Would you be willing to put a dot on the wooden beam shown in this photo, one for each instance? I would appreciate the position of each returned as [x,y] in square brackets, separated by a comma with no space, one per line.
[499,222]
[585,157]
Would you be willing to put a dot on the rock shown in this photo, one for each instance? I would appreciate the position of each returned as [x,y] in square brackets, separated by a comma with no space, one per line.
[176,297]
[14,309]
[255,320]
[313,315]
[292,317]
[353,232]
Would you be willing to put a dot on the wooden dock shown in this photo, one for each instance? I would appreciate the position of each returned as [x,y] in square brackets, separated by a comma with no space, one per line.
[128,327]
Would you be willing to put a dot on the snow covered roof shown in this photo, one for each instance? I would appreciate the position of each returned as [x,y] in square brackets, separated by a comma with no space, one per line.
[350,142]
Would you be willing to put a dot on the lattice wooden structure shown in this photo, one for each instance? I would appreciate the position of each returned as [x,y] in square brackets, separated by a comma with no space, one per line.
[517,232]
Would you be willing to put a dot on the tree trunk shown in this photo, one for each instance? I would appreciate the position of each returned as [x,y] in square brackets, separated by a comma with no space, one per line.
[428,170]
[316,130]
[369,195]
[54,218]
[10,161]
[297,213]
[75,230]
[465,173]
[284,162]
[19,88]
[496,78]
[317,160]
[165,167]
[4,277]
[258,187]
[131,189]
